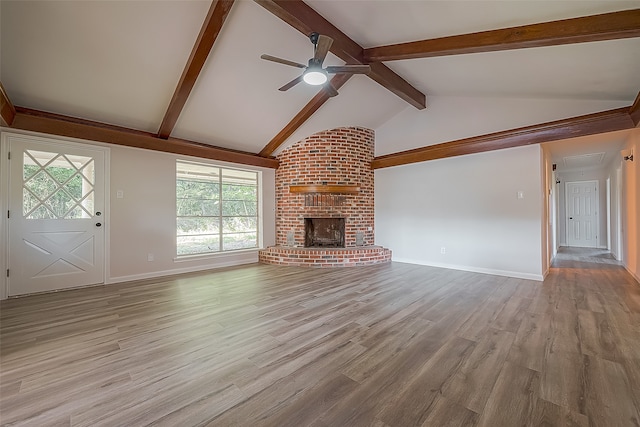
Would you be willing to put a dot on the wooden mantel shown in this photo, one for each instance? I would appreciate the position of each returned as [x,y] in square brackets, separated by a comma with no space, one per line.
[335,189]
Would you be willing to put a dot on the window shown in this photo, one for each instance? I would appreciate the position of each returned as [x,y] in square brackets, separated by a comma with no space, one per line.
[217,209]
[57,186]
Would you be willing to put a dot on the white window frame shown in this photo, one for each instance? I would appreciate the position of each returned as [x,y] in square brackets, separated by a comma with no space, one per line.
[259,210]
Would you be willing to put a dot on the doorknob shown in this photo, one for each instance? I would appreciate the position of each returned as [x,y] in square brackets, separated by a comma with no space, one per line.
[570,217]
[98,224]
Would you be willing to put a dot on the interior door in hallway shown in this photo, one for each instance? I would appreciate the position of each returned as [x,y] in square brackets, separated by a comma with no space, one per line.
[582,213]
[56,222]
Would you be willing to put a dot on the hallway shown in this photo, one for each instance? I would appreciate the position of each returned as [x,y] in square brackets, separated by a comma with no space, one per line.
[582,257]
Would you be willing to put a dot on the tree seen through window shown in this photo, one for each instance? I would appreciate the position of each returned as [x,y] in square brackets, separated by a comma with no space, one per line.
[217,209]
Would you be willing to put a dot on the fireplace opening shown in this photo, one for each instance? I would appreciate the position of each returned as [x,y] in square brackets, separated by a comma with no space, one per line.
[324,232]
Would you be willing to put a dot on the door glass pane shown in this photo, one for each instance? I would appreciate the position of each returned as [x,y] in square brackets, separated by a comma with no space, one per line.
[73,186]
[29,170]
[86,187]
[88,171]
[76,212]
[60,170]
[60,203]
[87,207]
[57,185]
[41,158]
[42,212]
[29,202]
[42,185]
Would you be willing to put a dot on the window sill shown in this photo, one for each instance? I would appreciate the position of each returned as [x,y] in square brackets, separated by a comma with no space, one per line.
[198,257]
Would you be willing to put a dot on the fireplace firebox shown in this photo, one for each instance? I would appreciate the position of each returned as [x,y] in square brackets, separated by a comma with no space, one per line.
[324,232]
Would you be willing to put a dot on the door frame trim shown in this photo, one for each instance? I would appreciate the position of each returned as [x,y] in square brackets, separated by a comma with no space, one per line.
[620,255]
[4,207]
[608,202]
[566,210]
[5,135]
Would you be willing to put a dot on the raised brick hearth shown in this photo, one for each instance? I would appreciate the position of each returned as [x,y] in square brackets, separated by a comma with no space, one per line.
[325,257]
[337,157]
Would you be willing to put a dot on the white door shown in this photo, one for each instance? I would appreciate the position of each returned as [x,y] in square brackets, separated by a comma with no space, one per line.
[582,215]
[56,221]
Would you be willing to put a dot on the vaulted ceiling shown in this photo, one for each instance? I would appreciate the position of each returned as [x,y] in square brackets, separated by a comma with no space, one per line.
[186,76]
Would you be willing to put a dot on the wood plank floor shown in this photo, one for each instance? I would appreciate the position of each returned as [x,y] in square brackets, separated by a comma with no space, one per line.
[388,345]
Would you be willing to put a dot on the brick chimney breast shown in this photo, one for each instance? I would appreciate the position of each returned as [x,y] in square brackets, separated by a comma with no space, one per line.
[336,157]
[339,156]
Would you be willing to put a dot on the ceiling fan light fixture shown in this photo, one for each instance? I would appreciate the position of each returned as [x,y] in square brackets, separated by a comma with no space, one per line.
[315,77]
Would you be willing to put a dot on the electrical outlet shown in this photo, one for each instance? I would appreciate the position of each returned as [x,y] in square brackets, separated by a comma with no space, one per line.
[150,257]
[443,250]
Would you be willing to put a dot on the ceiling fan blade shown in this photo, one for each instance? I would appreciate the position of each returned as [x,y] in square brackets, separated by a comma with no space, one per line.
[291,84]
[322,48]
[331,91]
[282,61]
[353,69]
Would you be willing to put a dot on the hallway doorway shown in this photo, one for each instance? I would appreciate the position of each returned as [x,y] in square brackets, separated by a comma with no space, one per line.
[570,257]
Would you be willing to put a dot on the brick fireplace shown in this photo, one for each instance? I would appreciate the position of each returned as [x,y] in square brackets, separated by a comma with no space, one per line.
[326,183]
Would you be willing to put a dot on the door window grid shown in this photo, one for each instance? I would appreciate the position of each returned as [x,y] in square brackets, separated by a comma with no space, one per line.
[57,186]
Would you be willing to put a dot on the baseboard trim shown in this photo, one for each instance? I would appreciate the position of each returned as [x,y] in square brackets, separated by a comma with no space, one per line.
[492,271]
[635,276]
[251,259]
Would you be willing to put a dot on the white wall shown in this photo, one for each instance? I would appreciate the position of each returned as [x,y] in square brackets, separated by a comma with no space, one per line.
[469,206]
[144,220]
[448,118]
[631,207]
[600,176]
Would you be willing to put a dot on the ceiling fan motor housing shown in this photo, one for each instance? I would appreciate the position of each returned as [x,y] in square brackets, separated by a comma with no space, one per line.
[315,63]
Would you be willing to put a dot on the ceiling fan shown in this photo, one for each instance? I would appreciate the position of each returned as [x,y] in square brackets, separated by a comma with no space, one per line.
[313,73]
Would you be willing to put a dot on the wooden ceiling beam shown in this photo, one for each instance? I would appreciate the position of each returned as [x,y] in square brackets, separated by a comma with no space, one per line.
[607,26]
[590,124]
[634,111]
[306,20]
[7,110]
[316,102]
[211,27]
[55,124]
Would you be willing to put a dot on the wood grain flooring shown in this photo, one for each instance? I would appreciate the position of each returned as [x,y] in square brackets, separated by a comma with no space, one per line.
[388,345]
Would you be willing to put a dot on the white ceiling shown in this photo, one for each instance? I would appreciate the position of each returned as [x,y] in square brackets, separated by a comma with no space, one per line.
[583,154]
[118,62]
[113,62]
